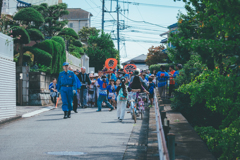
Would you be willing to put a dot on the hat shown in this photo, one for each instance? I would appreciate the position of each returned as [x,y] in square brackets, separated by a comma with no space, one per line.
[74,70]
[65,64]
[95,74]
[83,68]
[91,75]
[92,72]
[136,72]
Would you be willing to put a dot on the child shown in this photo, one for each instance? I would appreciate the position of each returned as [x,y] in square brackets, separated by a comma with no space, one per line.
[111,88]
[151,90]
[91,91]
[103,82]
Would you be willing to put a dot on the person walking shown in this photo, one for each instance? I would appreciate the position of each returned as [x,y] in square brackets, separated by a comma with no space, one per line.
[85,81]
[53,91]
[76,96]
[67,86]
[103,82]
[162,77]
[151,87]
[172,82]
[111,89]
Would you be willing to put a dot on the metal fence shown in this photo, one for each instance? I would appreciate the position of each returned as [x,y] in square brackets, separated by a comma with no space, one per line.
[162,146]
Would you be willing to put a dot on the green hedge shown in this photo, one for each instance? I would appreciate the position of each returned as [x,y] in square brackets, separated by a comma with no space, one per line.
[62,57]
[157,67]
[29,14]
[77,43]
[56,50]
[69,32]
[35,34]
[42,57]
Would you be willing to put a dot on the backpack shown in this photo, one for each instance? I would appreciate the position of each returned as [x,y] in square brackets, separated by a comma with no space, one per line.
[121,96]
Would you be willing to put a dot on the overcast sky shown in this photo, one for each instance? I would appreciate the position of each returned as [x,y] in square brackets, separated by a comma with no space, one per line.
[162,14]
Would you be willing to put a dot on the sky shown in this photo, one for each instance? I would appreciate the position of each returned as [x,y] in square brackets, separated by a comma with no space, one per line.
[138,36]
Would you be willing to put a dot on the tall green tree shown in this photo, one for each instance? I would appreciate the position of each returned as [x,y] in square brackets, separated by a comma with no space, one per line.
[86,32]
[208,37]
[100,48]
[51,15]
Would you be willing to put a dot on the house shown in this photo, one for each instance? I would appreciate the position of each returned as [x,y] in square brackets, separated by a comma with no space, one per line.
[139,61]
[9,7]
[78,18]
[172,28]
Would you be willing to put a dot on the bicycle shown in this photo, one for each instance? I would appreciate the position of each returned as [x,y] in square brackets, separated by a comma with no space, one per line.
[141,106]
[132,98]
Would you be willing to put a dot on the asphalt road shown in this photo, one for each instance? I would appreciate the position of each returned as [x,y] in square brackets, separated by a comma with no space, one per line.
[87,135]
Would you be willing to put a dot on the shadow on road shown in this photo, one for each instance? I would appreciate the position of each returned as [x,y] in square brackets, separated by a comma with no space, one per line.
[50,119]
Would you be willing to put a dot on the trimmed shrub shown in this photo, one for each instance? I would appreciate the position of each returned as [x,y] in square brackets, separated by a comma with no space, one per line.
[56,61]
[62,56]
[20,31]
[29,14]
[42,57]
[69,32]
[77,43]
[157,67]
[35,34]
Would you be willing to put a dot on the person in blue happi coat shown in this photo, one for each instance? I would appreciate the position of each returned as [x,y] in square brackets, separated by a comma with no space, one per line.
[162,77]
[67,86]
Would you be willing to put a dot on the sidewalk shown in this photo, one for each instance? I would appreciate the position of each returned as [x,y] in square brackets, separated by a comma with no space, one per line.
[28,111]
[189,144]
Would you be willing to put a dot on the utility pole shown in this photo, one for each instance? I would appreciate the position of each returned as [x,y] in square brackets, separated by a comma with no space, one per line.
[103,6]
[118,41]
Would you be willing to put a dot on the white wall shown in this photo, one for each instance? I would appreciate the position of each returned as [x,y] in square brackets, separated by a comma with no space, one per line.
[37,2]
[7,79]
[9,7]
[78,25]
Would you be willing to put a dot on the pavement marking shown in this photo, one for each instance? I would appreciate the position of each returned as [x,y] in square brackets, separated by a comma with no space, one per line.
[27,115]
[67,153]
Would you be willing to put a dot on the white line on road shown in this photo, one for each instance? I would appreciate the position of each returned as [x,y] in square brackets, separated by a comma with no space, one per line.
[37,112]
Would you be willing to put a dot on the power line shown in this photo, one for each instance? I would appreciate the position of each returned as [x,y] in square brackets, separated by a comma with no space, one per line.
[144,22]
[152,5]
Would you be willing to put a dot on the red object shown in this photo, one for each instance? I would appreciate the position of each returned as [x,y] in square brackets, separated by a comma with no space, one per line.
[111,63]
[162,75]
[57,102]
[129,68]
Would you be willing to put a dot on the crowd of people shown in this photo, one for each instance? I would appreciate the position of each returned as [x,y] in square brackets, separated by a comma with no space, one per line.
[79,89]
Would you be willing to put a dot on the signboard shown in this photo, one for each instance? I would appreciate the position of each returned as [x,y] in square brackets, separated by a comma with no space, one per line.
[111,63]
[129,68]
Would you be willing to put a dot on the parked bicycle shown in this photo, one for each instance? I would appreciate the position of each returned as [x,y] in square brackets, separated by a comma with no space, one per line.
[132,100]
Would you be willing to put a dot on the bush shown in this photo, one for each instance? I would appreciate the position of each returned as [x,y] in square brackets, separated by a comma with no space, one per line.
[69,32]
[77,43]
[157,67]
[35,34]
[62,56]
[28,15]
[20,31]
[42,57]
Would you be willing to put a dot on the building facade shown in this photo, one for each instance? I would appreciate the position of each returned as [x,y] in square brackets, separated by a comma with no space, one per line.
[78,18]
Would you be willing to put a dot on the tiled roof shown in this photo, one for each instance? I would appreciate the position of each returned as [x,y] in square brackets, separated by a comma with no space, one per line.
[77,13]
[140,58]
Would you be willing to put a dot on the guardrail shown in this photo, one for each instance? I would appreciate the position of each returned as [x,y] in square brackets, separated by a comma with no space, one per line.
[162,146]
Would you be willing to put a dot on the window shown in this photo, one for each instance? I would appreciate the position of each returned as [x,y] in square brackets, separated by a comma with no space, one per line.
[71,25]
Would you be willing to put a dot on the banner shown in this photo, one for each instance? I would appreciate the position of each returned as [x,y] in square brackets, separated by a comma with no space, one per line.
[111,63]
[129,68]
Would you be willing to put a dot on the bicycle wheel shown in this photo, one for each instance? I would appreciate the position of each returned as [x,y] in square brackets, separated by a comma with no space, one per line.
[134,116]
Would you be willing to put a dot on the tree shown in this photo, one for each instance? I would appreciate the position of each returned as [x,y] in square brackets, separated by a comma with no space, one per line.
[25,17]
[155,55]
[51,15]
[100,48]
[69,33]
[210,33]
[86,32]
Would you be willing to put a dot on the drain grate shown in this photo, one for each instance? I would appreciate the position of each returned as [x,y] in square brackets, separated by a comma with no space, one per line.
[67,153]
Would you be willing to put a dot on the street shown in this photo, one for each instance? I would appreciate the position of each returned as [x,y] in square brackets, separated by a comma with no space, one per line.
[87,135]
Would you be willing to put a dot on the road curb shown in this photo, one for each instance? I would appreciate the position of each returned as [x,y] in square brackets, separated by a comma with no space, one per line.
[10,119]
[34,113]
